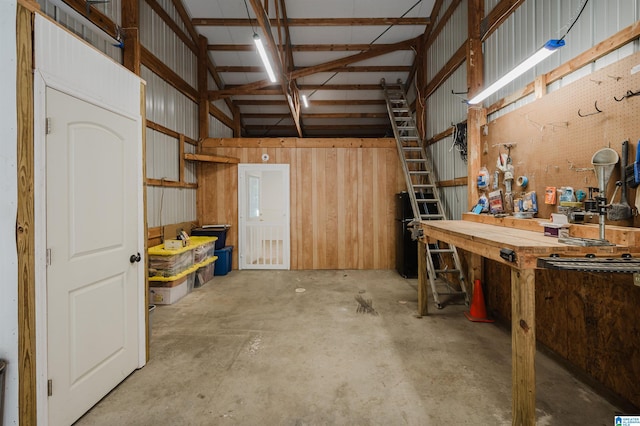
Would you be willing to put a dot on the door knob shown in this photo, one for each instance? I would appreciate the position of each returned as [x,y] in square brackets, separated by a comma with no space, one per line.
[135,258]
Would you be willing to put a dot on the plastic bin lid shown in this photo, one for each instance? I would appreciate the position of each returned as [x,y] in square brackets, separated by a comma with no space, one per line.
[222,226]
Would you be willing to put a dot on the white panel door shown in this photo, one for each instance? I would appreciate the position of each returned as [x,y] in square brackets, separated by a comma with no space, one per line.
[263,210]
[92,232]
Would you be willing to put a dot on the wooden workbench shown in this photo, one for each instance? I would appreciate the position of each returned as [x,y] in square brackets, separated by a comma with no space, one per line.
[487,240]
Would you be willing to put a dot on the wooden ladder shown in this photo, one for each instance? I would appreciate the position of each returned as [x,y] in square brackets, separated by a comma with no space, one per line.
[444,268]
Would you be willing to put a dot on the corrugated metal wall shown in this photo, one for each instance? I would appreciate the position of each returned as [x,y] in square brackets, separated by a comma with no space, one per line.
[532,24]
[537,21]
[164,104]
[445,109]
[170,108]
[96,38]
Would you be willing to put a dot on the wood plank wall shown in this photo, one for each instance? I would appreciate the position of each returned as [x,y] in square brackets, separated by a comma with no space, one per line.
[588,319]
[342,197]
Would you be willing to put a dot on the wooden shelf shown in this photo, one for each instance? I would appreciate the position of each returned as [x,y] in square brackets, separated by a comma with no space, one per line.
[206,158]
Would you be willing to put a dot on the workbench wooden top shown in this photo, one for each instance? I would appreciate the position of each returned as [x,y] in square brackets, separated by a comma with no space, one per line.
[487,240]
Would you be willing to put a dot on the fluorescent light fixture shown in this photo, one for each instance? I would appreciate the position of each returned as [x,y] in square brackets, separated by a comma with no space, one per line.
[546,51]
[264,57]
[305,101]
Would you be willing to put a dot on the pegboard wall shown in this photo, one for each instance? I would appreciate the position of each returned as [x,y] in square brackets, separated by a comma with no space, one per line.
[553,144]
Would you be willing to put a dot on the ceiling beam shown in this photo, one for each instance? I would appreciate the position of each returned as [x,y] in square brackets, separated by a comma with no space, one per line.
[370,68]
[322,87]
[342,62]
[332,127]
[265,115]
[320,116]
[273,102]
[299,47]
[214,95]
[263,102]
[338,63]
[288,90]
[349,115]
[350,102]
[313,22]
[340,87]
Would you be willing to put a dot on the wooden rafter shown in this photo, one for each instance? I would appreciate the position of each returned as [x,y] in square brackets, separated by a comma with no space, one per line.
[300,47]
[184,16]
[186,38]
[320,116]
[221,94]
[314,22]
[96,16]
[288,90]
[289,65]
[368,68]
[338,63]
[497,16]
[425,36]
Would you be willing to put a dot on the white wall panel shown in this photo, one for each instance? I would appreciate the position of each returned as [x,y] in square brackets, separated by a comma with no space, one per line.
[162,156]
[190,167]
[169,107]
[170,205]
[537,21]
[449,40]
[218,130]
[160,39]
[455,201]
[96,38]
[445,108]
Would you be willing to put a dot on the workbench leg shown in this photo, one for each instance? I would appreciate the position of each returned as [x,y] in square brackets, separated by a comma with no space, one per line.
[476,272]
[523,346]
[422,278]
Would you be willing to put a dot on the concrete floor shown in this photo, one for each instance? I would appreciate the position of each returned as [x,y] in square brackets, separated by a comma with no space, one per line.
[246,349]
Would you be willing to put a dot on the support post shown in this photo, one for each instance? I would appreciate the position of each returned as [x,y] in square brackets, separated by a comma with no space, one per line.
[422,277]
[25,235]
[523,344]
[131,32]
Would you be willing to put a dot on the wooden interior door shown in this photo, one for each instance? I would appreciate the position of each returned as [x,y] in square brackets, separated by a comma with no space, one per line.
[93,306]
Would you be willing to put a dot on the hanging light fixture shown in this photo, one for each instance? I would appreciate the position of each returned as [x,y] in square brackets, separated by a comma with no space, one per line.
[264,57]
[305,101]
[547,50]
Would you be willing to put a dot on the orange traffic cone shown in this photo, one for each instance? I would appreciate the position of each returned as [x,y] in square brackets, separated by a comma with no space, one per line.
[477,312]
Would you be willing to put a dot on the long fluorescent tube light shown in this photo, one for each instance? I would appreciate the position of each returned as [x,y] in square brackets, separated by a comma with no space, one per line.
[546,51]
[264,57]
[305,101]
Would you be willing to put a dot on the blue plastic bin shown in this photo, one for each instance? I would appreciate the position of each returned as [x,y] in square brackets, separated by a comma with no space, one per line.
[224,262]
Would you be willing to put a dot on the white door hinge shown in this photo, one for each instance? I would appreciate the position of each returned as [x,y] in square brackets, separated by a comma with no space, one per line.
[48,257]
[47,125]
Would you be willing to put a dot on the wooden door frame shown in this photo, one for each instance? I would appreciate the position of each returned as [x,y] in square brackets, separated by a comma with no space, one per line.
[285,167]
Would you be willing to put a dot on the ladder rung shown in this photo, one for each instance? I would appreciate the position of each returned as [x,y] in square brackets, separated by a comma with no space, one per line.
[419,172]
[431,216]
[400,109]
[411,148]
[447,271]
[440,251]
[415,160]
[427,200]
[424,185]
[409,138]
